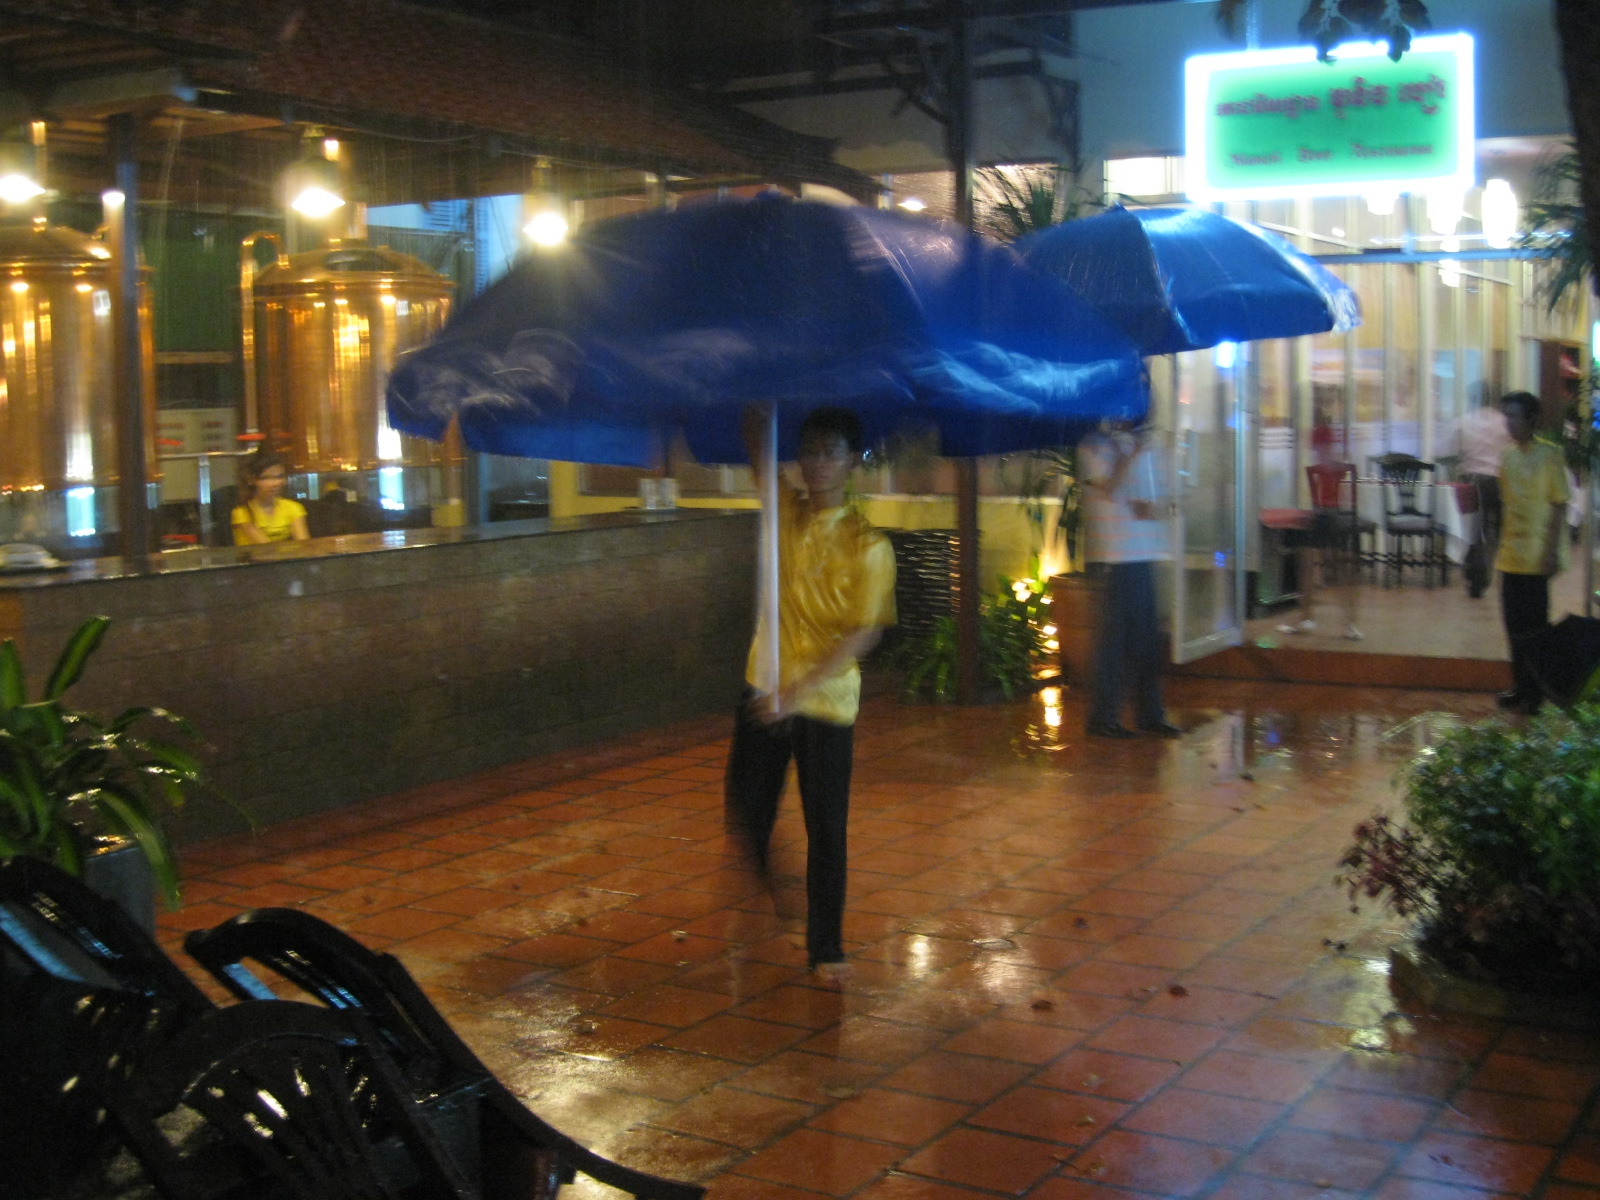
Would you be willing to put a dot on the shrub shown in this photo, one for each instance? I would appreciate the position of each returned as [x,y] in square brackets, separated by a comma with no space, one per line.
[1010,638]
[1499,859]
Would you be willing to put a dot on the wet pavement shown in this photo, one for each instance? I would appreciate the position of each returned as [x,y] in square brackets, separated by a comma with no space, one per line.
[1083,969]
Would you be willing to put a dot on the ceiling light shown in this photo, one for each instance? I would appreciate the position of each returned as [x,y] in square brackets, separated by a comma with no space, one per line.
[1500,213]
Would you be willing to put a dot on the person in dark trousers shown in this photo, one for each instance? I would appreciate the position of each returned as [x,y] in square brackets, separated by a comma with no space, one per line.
[1128,511]
[835,595]
[1533,519]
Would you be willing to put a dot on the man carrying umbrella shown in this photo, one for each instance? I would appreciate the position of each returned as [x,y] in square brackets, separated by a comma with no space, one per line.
[835,594]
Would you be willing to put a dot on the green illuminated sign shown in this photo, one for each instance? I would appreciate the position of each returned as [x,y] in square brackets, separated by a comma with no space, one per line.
[1272,123]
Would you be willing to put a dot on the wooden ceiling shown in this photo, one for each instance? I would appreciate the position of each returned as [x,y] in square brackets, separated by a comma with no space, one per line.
[434,105]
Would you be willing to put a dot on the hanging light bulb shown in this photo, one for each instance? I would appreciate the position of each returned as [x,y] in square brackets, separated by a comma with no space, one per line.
[22,167]
[1449,273]
[315,189]
[1444,210]
[547,227]
[547,223]
[18,188]
[1500,213]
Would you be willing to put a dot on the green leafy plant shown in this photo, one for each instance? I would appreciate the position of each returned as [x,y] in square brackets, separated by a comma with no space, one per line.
[1048,475]
[1498,861]
[1010,638]
[1557,225]
[1012,201]
[69,779]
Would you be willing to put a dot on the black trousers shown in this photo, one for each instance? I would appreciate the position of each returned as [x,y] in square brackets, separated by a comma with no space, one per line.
[1127,652]
[1481,553]
[1525,608]
[757,765]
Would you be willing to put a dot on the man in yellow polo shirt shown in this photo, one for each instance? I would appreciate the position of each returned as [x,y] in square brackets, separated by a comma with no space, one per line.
[1533,497]
[835,595]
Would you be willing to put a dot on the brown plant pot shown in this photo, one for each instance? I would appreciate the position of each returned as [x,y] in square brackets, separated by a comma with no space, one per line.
[1072,610]
[119,871]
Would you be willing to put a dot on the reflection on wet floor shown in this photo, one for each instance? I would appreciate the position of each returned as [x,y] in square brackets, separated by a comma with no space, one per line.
[1081,968]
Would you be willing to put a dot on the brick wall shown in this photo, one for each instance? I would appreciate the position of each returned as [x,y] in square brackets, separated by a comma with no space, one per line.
[319,682]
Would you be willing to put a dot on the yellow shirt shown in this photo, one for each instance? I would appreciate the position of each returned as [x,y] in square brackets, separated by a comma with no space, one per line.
[1533,478]
[835,576]
[277,525]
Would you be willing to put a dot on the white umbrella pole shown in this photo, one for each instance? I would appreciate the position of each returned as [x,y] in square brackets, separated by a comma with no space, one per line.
[767,652]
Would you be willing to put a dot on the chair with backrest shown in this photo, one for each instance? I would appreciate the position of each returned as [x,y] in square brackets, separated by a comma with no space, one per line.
[54,923]
[284,1100]
[86,994]
[488,1129]
[1415,537]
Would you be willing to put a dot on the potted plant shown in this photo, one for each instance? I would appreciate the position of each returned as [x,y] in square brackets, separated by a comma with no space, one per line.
[1010,642]
[74,787]
[1497,861]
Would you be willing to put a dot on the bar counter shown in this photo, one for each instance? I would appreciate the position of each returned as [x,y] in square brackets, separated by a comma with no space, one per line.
[320,674]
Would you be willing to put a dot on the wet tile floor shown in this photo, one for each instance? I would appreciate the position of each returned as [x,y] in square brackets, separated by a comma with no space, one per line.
[1095,970]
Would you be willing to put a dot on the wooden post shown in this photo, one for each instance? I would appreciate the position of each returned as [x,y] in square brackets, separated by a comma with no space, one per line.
[968,680]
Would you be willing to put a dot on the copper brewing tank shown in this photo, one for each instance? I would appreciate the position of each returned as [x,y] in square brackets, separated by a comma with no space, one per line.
[327,327]
[58,420]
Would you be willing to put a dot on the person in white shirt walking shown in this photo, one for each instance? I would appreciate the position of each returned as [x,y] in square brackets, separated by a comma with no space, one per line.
[1127,512]
[1481,438]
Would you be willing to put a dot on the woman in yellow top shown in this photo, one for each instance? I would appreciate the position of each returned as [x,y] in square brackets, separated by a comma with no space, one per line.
[266,514]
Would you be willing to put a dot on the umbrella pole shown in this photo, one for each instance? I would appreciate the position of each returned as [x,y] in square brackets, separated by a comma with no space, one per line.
[767,567]
[958,132]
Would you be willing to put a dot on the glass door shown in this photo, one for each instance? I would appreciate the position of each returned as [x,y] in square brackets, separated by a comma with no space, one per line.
[1201,401]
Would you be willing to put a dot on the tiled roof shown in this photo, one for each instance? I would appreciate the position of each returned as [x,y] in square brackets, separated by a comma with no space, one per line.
[384,58]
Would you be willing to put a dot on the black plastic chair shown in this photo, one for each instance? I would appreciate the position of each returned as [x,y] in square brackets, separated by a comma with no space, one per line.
[467,1102]
[87,996]
[1415,537]
[291,1100]
[55,924]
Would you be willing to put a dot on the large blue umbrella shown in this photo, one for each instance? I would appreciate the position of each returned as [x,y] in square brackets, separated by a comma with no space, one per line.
[663,322]
[1181,279]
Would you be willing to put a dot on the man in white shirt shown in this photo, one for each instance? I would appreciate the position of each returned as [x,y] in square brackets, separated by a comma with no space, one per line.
[1481,438]
[1127,508]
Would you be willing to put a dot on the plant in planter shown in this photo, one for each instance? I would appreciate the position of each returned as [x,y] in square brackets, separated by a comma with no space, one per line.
[70,781]
[1498,861]
[1010,639]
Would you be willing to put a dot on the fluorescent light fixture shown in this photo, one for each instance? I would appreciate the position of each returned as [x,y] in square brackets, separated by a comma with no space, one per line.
[1500,213]
[80,512]
[1313,156]
[391,489]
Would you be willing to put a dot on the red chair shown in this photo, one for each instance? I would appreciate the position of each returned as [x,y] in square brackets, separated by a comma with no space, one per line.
[1336,521]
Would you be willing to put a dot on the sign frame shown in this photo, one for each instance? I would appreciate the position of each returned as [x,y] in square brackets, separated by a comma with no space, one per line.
[1201,70]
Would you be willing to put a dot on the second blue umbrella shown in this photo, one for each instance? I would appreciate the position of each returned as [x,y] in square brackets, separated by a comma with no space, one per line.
[1178,279]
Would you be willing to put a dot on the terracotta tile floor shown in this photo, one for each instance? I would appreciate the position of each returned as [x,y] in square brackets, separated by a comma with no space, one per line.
[1084,970]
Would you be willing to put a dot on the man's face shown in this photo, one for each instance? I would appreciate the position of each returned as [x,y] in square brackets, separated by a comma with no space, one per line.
[1518,423]
[826,461]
